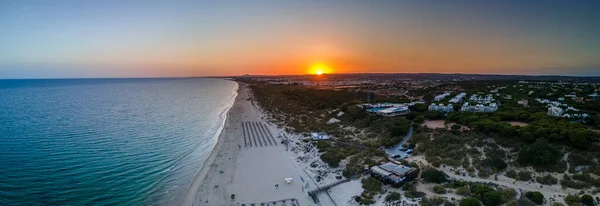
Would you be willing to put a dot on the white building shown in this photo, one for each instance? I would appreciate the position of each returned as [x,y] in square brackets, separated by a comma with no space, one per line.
[441,96]
[441,107]
[319,136]
[481,99]
[466,107]
[555,111]
[393,111]
[458,97]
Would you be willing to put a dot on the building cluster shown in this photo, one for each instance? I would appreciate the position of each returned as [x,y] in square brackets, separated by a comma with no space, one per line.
[394,174]
[490,107]
[388,109]
[441,107]
[480,99]
[458,97]
[441,96]
[559,109]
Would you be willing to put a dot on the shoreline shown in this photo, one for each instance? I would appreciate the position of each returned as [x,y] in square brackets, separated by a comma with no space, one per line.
[192,191]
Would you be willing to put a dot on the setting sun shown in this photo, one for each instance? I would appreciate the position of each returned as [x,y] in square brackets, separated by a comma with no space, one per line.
[319,69]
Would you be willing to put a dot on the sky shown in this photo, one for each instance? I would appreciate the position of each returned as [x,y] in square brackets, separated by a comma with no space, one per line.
[129,38]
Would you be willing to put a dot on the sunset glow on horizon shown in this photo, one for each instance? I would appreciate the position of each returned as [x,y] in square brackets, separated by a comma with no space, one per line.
[221,38]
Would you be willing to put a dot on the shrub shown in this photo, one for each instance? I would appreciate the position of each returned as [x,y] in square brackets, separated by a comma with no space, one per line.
[469,201]
[492,198]
[572,199]
[546,179]
[587,200]
[524,176]
[371,184]
[508,194]
[511,174]
[525,202]
[393,196]
[464,191]
[433,175]
[439,189]
[536,197]
[557,204]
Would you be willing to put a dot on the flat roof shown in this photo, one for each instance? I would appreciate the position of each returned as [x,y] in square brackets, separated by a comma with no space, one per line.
[394,168]
[392,109]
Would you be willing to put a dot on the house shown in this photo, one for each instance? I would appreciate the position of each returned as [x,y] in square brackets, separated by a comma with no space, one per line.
[555,111]
[458,97]
[394,174]
[319,136]
[441,96]
[466,107]
[441,107]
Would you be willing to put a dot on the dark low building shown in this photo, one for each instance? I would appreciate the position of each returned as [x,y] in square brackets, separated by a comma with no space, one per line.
[394,174]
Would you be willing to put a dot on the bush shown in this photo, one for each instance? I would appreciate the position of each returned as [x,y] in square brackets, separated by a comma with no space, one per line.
[332,158]
[433,175]
[393,196]
[371,185]
[439,189]
[469,201]
[525,202]
[572,199]
[511,174]
[524,176]
[547,179]
[587,200]
[557,204]
[508,194]
[492,198]
[536,197]
[464,191]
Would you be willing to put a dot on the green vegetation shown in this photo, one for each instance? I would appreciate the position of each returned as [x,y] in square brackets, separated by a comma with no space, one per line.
[511,174]
[434,201]
[433,175]
[546,179]
[439,189]
[587,200]
[536,197]
[572,200]
[469,201]
[393,196]
[371,187]
[524,175]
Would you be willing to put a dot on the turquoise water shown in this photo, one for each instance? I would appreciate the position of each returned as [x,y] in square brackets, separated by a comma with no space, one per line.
[106,141]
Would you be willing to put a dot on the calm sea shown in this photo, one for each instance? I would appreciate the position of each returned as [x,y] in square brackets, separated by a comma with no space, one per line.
[106,141]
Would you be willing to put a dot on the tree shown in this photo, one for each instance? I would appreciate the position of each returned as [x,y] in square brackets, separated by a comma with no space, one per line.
[540,153]
[428,97]
[492,198]
[419,119]
[536,197]
[433,175]
[587,200]
[469,201]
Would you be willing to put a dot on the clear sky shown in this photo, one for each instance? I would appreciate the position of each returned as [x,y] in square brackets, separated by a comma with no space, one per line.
[121,38]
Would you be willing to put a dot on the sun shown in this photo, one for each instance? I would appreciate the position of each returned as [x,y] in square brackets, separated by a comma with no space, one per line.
[319,69]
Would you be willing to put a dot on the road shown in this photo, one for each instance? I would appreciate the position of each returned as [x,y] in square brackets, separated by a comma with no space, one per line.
[394,150]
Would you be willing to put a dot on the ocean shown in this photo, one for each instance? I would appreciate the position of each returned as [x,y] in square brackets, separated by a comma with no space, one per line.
[107,141]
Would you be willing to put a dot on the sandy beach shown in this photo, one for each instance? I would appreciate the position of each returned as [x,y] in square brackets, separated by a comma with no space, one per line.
[248,161]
